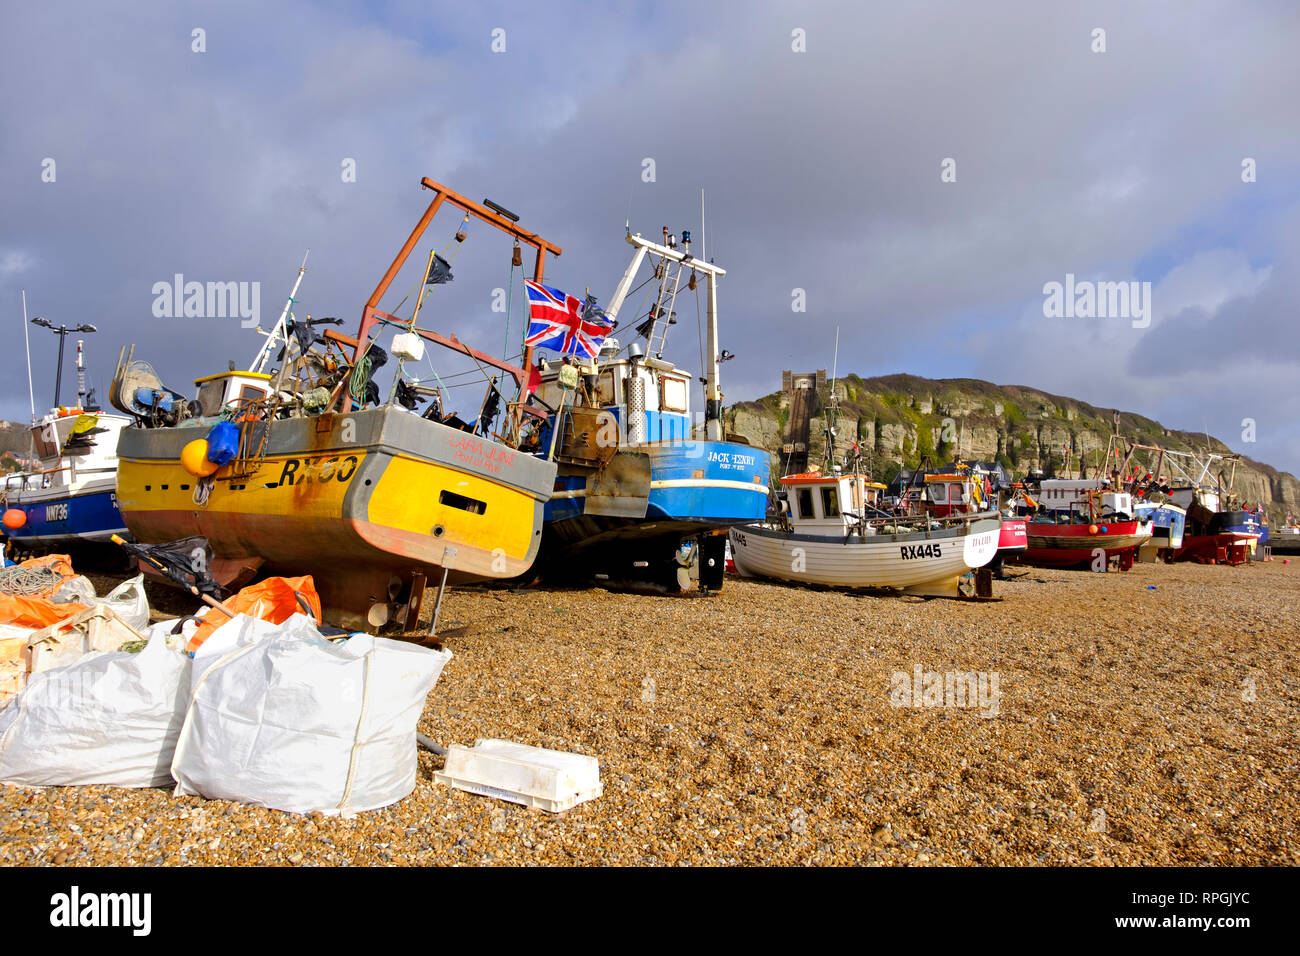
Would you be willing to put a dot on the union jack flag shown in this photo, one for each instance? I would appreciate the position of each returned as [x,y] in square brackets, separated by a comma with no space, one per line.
[564,323]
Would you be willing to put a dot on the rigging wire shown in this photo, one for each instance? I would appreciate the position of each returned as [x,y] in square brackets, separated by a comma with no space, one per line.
[510,297]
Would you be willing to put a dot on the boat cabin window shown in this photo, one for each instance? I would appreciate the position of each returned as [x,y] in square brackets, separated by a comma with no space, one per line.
[674,395]
[252,393]
[550,393]
[830,503]
[805,503]
[49,437]
[211,397]
[606,393]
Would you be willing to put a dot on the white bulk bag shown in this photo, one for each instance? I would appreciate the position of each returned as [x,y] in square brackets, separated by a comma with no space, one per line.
[109,718]
[127,600]
[306,725]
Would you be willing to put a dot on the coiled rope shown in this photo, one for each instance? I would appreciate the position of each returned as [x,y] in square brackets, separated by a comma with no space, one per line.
[360,376]
[29,580]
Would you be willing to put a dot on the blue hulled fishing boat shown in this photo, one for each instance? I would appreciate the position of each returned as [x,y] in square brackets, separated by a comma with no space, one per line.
[67,500]
[1168,522]
[642,495]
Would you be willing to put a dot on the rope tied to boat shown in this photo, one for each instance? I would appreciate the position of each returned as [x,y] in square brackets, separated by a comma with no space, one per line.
[203,490]
[360,376]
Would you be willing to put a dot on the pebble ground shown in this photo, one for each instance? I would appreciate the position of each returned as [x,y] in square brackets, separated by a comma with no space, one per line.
[1133,726]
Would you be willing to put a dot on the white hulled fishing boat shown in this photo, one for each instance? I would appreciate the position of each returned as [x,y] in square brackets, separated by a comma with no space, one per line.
[831,530]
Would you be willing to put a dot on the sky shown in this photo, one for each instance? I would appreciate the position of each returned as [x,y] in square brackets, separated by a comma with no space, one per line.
[911,175]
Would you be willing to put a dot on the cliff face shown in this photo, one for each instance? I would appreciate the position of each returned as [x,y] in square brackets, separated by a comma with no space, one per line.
[900,419]
[15,439]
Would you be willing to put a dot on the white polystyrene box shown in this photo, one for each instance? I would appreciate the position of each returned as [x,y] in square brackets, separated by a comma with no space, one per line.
[408,345]
[547,779]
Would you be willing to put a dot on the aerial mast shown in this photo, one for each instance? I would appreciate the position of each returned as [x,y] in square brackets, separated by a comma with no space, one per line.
[833,412]
[81,375]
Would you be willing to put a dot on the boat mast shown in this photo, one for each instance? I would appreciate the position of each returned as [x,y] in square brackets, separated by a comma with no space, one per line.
[704,245]
[81,375]
[832,413]
[712,386]
[281,331]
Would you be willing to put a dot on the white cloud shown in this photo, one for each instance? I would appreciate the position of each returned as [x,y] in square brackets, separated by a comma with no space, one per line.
[14,262]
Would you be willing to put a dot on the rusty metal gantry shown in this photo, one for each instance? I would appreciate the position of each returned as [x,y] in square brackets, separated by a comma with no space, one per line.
[371,315]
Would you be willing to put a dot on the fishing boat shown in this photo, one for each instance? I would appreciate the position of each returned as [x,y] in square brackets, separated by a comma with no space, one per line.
[1168,523]
[832,529]
[971,487]
[1285,539]
[1217,529]
[1193,514]
[68,500]
[641,497]
[370,497]
[1217,532]
[1083,522]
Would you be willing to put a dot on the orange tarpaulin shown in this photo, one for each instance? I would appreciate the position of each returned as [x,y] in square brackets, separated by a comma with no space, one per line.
[37,610]
[34,612]
[274,600]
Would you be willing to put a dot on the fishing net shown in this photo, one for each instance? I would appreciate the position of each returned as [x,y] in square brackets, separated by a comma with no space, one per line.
[188,562]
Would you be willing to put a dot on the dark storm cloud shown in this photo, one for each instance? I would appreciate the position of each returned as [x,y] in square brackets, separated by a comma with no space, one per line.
[821,169]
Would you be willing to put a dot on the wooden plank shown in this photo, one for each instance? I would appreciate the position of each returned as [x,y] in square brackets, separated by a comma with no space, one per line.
[11,648]
[416,601]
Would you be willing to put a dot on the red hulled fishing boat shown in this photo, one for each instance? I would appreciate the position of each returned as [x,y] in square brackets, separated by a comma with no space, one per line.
[963,489]
[1079,522]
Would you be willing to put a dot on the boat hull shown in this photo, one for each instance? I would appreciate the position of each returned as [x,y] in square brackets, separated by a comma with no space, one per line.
[1073,545]
[918,563]
[1219,537]
[57,518]
[354,500]
[1223,548]
[627,521]
[1012,538]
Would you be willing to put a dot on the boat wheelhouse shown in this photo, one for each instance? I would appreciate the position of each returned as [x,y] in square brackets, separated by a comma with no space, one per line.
[1168,524]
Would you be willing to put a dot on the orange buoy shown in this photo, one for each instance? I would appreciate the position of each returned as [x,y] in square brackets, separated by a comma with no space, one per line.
[14,518]
[1092,529]
[194,459]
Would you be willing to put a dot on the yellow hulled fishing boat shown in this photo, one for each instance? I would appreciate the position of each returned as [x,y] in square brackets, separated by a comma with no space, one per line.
[319,477]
